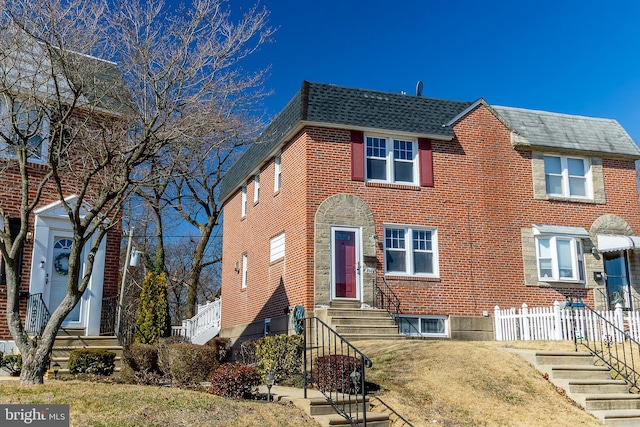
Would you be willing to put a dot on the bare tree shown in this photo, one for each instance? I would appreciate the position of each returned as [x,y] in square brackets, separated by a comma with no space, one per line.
[99,123]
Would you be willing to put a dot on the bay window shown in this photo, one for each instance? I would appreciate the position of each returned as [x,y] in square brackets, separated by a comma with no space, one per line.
[560,258]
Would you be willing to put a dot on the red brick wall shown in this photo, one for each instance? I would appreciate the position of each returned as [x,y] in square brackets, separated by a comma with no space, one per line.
[482,198]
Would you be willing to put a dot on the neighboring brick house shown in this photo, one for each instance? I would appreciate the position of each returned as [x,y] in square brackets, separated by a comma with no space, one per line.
[45,254]
[457,206]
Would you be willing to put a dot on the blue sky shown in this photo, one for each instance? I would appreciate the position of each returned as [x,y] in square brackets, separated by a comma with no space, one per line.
[575,57]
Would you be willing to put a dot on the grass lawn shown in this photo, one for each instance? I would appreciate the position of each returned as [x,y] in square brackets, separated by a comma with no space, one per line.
[428,382]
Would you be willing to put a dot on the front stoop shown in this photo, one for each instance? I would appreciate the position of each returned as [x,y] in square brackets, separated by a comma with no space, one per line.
[590,386]
[325,414]
[355,324]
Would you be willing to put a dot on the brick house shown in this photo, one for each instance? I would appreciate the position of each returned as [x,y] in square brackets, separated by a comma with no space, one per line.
[42,271]
[454,207]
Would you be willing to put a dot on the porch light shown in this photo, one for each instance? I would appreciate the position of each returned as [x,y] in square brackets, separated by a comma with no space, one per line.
[270,380]
[56,369]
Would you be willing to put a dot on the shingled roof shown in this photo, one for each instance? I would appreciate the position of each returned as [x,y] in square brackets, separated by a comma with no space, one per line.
[349,108]
[563,132]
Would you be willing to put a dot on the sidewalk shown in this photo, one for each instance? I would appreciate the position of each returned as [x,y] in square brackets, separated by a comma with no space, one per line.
[289,394]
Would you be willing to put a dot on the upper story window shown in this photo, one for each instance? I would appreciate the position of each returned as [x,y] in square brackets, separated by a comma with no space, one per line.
[560,259]
[20,124]
[411,250]
[391,160]
[567,176]
[277,174]
[243,208]
[256,188]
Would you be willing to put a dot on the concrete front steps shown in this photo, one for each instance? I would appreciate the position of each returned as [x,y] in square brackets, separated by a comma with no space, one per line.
[326,415]
[591,386]
[355,323]
[64,344]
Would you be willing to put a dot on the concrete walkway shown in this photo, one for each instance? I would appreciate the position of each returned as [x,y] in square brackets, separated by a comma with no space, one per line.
[289,394]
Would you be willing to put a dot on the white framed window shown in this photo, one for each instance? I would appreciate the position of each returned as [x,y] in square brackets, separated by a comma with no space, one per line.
[32,124]
[429,326]
[277,247]
[256,188]
[560,259]
[411,250]
[244,270]
[277,177]
[243,208]
[567,176]
[392,160]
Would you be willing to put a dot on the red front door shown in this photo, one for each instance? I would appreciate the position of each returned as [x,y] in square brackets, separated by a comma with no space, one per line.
[345,262]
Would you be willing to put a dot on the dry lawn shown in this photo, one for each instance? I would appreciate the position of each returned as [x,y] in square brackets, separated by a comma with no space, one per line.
[455,383]
[99,404]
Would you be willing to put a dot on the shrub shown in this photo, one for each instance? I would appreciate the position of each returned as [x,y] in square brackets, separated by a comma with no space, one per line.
[248,352]
[223,348]
[234,381]
[190,364]
[140,364]
[333,373]
[280,356]
[91,361]
[153,311]
[12,363]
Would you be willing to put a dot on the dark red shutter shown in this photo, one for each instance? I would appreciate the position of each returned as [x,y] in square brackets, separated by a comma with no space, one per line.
[425,162]
[357,155]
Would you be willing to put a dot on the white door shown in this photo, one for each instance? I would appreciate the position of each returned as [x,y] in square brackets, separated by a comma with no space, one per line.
[58,275]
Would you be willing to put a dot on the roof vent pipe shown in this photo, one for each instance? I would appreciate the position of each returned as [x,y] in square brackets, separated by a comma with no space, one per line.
[419,88]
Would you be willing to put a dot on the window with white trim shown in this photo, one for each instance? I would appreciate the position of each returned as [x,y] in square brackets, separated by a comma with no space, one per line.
[277,248]
[567,176]
[243,208]
[32,124]
[391,160]
[244,270]
[411,250]
[560,259]
[277,177]
[429,326]
[256,188]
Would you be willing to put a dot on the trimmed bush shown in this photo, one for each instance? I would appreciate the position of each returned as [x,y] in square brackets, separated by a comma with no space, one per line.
[140,364]
[153,320]
[280,356]
[333,373]
[223,348]
[235,381]
[12,363]
[92,361]
[191,364]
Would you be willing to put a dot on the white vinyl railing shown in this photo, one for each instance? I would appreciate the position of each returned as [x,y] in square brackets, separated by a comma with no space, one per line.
[208,317]
[558,323]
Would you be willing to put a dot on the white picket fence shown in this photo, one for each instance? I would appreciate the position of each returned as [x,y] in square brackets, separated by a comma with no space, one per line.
[559,322]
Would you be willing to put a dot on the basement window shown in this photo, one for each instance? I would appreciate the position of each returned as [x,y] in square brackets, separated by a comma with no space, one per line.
[425,326]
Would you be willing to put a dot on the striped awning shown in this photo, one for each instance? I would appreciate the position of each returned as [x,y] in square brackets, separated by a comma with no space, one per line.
[610,243]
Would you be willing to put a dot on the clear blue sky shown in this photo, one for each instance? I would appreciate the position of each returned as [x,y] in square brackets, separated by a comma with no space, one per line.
[575,57]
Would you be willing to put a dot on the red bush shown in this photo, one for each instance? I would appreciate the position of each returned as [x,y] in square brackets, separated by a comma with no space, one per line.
[333,373]
[234,380]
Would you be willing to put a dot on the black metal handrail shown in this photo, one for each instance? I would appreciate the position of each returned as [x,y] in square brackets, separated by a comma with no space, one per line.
[611,345]
[127,326]
[38,315]
[336,368]
[386,299]
[635,301]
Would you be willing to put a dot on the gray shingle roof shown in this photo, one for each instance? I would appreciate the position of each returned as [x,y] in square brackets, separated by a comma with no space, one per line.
[553,131]
[351,108]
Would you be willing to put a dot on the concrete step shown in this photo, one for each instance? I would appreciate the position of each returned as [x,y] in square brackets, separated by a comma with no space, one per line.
[368,329]
[352,312]
[320,406]
[580,372]
[85,341]
[621,418]
[563,358]
[616,401]
[379,321]
[373,420]
[597,386]
[367,336]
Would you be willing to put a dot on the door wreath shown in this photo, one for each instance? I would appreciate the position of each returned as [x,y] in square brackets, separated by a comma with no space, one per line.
[60,265]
